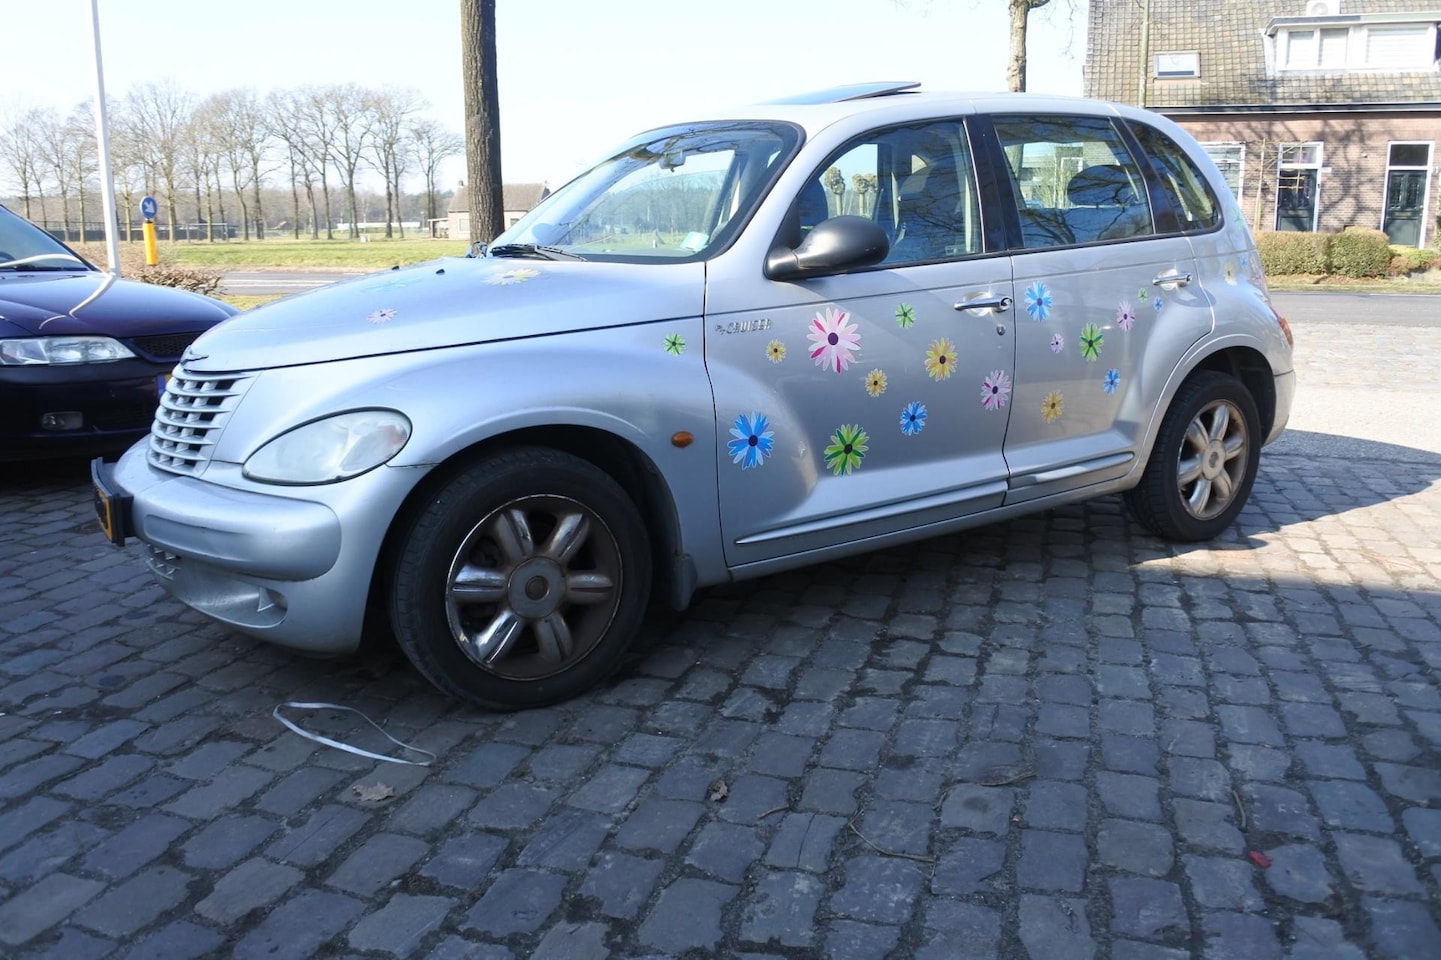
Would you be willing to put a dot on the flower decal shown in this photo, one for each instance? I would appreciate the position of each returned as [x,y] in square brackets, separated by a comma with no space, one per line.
[675,343]
[995,390]
[1228,270]
[775,351]
[836,342]
[1051,407]
[1125,316]
[940,359]
[905,315]
[847,449]
[1112,381]
[1091,340]
[753,441]
[1143,295]
[1058,343]
[913,418]
[1156,303]
[511,277]
[1038,301]
[382,316]
[391,283]
[876,382]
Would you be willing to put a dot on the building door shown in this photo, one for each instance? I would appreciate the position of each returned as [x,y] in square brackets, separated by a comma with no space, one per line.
[1407,171]
[1298,182]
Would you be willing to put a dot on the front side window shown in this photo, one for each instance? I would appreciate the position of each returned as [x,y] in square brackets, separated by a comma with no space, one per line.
[1074,181]
[1182,181]
[679,193]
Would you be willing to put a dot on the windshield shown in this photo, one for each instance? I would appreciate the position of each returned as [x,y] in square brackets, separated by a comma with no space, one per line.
[679,193]
[25,248]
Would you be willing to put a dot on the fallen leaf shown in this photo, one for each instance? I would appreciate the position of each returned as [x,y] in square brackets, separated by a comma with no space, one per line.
[1259,859]
[373,792]
[719,791]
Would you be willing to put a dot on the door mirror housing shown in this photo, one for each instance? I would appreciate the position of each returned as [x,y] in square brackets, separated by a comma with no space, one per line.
[833,246]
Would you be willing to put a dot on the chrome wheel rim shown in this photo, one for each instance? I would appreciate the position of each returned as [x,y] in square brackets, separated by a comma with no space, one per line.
[1214,459]
[533,587]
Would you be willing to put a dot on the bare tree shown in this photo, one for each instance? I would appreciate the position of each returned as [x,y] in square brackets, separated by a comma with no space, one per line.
[391,113]
[83,156]
[159,114]
[347,109]
[21,153]
[55,137]
[1020,11]
[241,134]
[284,116]
[433,146]
[482,119]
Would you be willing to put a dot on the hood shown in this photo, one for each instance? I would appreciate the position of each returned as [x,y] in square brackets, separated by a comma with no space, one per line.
[98,303]
[444,303]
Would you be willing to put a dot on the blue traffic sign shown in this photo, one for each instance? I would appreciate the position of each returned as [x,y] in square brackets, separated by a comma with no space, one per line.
[148,208]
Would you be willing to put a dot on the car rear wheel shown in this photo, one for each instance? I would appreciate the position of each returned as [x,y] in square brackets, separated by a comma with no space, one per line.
[1204,462]
[522,581]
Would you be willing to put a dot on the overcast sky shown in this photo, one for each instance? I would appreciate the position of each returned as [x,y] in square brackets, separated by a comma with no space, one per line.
[576,77]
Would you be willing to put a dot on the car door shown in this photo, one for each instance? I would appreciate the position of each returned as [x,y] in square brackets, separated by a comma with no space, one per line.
[1106,303]
[854,405]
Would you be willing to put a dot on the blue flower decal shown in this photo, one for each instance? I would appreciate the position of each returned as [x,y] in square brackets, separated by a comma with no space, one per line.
[1156,302]
[913,418]
[1112,381]
[752,443]
[1038,301]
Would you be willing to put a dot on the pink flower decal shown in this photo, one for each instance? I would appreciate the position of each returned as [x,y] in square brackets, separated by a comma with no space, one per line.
[836,342]
[995,390]
[1058,343]
[1125,316]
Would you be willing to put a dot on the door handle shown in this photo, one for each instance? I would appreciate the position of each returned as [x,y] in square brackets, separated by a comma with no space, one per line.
[997,304]
[1178,279]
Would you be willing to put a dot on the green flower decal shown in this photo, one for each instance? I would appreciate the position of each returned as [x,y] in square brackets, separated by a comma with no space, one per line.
[847,449]
[1142,294]
[1091,340]
[675,343]
[905,315]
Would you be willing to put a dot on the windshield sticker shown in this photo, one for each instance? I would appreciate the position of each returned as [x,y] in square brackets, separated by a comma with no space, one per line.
[1051,407]
[913,418]
[995,390]
[836,342]
[753,441]
[1091,340]
[876,382]
[940,359]
[1038,301]
[1125,316]
[905,315]
[1112,381]
[512,277]
[775,351]
[1058,343]
[382,316]
[675,344]
[847,449]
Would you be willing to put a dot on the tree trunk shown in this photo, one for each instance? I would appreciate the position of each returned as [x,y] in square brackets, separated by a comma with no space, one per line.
[1020,10]
[482,119]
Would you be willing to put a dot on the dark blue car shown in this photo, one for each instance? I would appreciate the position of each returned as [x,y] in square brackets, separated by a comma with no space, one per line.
[83,354]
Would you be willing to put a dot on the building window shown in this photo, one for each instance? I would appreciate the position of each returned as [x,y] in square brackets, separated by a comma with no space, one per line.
[1408,175]
[1230,157]
[1400,48]
[1297,186]
[1170,66]
[1410,46]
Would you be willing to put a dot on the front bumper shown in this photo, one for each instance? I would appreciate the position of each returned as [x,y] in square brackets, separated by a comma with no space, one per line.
[292,567]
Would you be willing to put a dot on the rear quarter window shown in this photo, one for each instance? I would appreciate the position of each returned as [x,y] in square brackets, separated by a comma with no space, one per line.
[1185,186]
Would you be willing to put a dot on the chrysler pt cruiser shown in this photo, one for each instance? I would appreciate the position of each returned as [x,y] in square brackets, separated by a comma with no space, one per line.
[736,345]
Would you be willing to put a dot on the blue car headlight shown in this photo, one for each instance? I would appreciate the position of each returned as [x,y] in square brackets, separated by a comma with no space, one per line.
[334,448]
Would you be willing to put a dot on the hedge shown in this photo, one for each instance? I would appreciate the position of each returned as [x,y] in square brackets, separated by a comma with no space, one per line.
[1285,252]
[1355,252]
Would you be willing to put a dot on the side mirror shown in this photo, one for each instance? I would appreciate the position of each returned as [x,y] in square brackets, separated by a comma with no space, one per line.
[832,246]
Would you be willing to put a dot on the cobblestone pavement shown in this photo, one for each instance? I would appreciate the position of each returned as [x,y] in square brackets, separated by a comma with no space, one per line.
[1051,738]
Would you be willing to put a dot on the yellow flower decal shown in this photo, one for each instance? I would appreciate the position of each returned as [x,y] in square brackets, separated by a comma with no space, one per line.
[1051,406]
[940,359]
[511,277]
[876,382]
[775,351]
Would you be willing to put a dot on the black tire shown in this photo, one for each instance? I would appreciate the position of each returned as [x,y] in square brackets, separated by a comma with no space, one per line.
[1204,462]
[522,581]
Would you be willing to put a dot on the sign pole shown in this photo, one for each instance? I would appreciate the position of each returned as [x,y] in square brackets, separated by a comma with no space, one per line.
[148,209]
[102,136]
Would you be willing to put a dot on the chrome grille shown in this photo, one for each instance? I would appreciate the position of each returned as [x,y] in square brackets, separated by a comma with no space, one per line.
[162,562]
[193,411]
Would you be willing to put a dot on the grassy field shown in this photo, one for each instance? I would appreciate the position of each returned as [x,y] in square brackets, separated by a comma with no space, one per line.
[288,254]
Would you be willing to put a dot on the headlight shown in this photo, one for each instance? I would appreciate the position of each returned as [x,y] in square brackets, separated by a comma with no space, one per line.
[42,350]
[335,448]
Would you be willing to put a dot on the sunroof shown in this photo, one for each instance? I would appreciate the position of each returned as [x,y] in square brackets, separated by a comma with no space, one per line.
[850,91]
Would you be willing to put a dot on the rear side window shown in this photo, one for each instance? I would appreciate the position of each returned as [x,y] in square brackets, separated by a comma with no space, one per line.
[1074,181]
[1182,180]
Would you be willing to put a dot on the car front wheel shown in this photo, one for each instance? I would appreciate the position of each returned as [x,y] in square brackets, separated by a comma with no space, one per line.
[1204,462]
[522,580]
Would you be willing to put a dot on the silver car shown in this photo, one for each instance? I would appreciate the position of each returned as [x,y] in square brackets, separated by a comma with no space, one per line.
[739,345]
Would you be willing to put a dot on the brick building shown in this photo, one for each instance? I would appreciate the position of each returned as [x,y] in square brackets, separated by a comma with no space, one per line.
[1323,114]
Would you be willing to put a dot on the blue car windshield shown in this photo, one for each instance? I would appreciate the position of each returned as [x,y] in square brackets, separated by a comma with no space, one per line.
[25,248]
[674,194]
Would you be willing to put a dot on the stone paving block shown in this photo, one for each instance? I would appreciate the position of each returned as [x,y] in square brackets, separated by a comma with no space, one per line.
[226,790]
[1130,796]
[382,858]
[1240,936]
[1223,883]
[180,940]
[299,926]
[970,865]
[687,916]
[1148,909]
[1376,864]
[978,809]
[314,840]
[464,861]
[781,909]
[225,841]
[1351,806]
[399,927]
[831,791]
[659,825]
[620,883]
[36,909]
[253,884]
[517,902]
[960,931]
[511,806]
[1401,929]
[878,890]
[1055,928]
[1052,861]
[566,840]
[126,908]
[1418,785]
[1143,848]
[431,808]
[849,940]
[135,846]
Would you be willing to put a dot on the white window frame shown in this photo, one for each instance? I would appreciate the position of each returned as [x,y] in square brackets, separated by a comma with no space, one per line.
[1357,39]
[1283,165]
[1425,196]
[1177,65]
[1220,148]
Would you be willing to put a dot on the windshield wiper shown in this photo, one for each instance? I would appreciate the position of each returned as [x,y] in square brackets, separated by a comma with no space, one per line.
[42,268]
[533,250]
